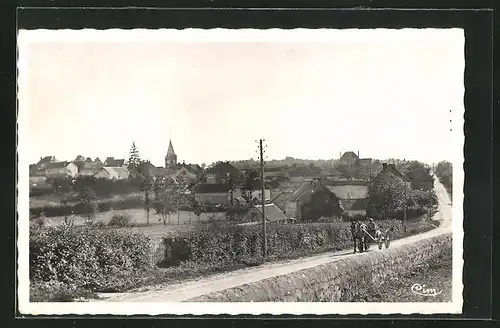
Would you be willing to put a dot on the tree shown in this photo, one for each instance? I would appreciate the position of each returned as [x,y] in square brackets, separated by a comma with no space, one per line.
[146,186]
[169,196]
[249,185]
[88,199]
[444,172]
[133,160]
[389,195]
[418,173]
[348,171]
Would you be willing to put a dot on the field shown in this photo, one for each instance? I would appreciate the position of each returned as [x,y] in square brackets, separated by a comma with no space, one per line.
[138,217]
[55,200]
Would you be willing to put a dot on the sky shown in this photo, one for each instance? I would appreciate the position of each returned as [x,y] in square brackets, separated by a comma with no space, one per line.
[386,98]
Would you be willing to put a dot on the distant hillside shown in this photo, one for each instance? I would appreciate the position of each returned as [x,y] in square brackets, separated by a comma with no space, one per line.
[289,162]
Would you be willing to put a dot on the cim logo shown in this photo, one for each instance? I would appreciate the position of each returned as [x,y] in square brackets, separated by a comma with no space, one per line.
[423,291]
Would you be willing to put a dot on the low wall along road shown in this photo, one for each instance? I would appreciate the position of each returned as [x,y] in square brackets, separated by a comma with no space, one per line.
[338,281]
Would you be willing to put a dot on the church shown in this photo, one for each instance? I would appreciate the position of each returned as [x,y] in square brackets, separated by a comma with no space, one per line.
[190,171]
[171,157]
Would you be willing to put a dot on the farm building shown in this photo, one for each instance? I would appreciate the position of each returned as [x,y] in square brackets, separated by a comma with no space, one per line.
[45,160]
[221,173]
[112,162]
[354,207]
[311,200]
[349,158]
[88,168]
[213,193]
[56,169]
[112,173]
[352,194]
[272,212]
[391,169]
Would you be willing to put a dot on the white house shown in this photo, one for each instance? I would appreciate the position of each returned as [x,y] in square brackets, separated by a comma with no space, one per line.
[112,173]
[72,169]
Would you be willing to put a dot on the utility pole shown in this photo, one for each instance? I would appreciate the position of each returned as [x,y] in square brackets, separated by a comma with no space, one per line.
[263,200]
[406,207]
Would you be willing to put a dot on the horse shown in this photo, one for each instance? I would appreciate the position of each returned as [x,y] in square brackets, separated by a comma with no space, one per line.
[359,236]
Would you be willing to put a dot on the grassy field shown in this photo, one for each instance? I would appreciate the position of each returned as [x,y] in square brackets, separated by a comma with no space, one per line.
[55,200]
[177,222]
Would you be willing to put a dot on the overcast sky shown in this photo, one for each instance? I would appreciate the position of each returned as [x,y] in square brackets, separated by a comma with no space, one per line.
[383,98]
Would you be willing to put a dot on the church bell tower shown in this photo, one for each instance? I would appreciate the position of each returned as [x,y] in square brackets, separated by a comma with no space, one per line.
[171,158]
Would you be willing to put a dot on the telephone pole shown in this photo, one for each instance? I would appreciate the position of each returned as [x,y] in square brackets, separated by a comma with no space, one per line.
[406,207]
[263,200]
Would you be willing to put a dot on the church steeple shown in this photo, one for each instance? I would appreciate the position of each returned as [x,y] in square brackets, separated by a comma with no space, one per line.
[171,158]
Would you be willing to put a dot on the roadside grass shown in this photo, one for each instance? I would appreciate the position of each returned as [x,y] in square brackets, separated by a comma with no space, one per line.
[437,273]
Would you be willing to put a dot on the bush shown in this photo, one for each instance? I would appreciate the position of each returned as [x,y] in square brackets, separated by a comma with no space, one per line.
[54,291]
[85,256]
[119,220]
[228,244]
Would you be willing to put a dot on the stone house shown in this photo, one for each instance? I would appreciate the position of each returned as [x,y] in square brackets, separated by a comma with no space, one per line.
[212,194]
[349,158]
[113,173]
[88,168]
[112,162]
[41,164]
[353,195]
[56,169]
[302,202]
[391,168]
[221,173]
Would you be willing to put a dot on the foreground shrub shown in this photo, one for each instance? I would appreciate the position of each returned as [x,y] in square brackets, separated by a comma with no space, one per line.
[120,221]
[229,244]
[86,256]
[55,291]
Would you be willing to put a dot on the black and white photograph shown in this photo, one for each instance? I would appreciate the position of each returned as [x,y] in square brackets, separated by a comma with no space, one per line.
[240,171]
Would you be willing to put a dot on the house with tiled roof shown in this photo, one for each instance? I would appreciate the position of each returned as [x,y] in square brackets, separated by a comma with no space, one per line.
[221,173]
[388,168]
[42,163]
[350,158]
[88,168]
[112,173]
[112,162]
[213,193]
[56,169]
[272,213]
[303,202]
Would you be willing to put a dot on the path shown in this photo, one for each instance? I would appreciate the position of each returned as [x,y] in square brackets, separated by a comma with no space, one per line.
[191,289]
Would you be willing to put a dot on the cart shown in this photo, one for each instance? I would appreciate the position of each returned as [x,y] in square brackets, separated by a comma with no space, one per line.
[381,238]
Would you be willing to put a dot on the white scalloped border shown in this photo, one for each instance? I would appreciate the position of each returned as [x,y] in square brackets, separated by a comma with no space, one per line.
[25,38]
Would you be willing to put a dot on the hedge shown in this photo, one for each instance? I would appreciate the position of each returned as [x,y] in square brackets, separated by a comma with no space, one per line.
[228,244]
[87,257]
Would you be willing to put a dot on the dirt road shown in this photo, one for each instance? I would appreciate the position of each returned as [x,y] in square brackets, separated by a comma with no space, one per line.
[188,290]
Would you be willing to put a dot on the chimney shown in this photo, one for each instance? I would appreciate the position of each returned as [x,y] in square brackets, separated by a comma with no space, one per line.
[358,153]
[384,166]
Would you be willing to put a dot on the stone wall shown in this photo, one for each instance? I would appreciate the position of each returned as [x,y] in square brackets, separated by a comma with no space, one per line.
[338,281]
